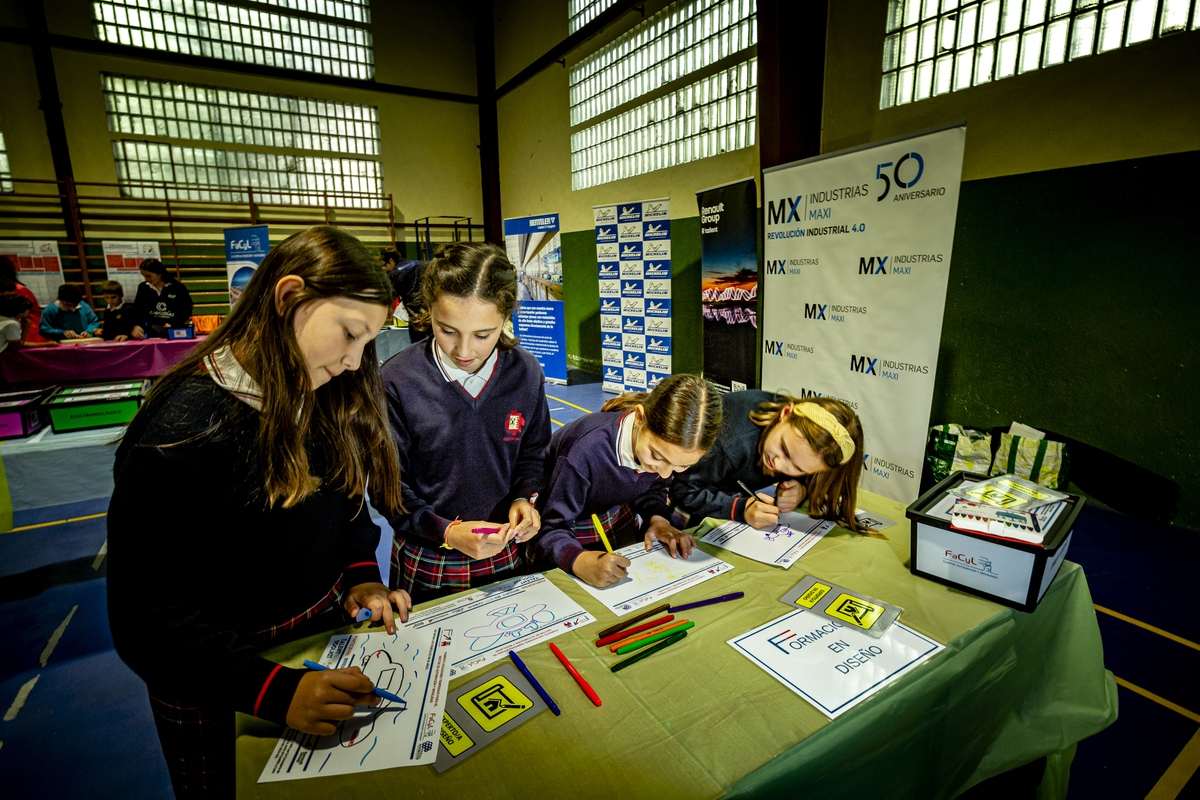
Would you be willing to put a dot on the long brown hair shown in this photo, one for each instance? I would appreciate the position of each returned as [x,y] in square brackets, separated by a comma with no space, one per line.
[342,425]
[683,410]
[832,492]
[471,270]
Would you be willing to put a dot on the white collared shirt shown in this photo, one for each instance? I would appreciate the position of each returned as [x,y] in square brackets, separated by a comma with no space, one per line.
[625,455]
[471,382]
[225,369]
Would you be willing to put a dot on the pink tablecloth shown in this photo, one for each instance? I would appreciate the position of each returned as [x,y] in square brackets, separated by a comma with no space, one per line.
[95,362]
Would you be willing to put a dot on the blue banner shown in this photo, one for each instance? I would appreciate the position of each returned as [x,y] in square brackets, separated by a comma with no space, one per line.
[539,325]
[245,248]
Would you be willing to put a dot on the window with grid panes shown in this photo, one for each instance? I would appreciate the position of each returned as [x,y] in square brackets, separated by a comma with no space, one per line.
[323,36]
[712,116]
[6,184]
[211,113]
[581,12]
[934,47]
[155,169]
[684,38]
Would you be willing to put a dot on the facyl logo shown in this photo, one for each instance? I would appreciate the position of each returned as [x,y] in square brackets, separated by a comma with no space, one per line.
[634,361]
[609,307]
[608,234]
[631,213]
[814,311]
[978,562]
[874,265]
[661,269]
[864,364]
[658,308]
[785,211]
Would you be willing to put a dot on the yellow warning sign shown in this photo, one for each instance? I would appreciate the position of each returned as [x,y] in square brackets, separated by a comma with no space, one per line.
[814,593]
[495,703]
[454,739]
[854,610]
[996,497]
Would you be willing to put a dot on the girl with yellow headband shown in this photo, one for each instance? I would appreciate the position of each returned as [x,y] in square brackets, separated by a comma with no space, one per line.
[811,449]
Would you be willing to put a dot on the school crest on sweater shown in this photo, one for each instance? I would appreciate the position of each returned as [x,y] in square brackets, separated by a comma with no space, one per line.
[514,426]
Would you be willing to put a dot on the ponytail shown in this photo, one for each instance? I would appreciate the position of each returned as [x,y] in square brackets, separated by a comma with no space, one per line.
[683,410]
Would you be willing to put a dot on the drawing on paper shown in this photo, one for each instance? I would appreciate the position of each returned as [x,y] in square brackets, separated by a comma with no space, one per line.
[780,531]
[508,623]
[653,571]
[385,674]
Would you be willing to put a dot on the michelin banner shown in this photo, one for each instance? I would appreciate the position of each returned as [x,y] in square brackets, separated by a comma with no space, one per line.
[857,257]
[245,248]
[633,254]
[729,286]
[535,249]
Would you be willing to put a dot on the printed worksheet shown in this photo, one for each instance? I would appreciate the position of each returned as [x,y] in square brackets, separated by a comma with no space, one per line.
[412,664]
[654,575]
[781,544]
[507,616]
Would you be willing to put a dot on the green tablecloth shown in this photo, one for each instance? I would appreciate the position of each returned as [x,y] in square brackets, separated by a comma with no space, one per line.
[701,721]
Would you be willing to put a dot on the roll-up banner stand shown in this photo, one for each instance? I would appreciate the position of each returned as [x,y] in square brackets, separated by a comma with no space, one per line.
[535,249]
[729,283]
[122,260]
[245,248]
[857,257]
[633,254]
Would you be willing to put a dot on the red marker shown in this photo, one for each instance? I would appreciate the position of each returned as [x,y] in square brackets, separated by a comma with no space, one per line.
[588,690]
[625,634]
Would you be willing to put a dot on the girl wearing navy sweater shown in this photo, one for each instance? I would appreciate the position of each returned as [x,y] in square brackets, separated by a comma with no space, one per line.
[468,411]
[269,426]
[618,464]
[814,445]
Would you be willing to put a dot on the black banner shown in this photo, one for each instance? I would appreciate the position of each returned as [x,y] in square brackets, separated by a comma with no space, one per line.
[729,284]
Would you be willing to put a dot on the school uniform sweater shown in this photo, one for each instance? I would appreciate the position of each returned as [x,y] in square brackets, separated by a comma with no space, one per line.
[461,456]
[154,310]
[709,488]
[118,321]
[35,313]
[55,322]
[197,566]
[584,476]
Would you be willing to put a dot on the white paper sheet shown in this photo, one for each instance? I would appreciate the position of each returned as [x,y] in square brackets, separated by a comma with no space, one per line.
[830,665]
[654,575]
[506,616]
[411,664]
[780,545]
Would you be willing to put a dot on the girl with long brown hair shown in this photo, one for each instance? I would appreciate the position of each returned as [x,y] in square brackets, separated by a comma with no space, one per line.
[810,448]
[239,510]
[468,410]
[618,464]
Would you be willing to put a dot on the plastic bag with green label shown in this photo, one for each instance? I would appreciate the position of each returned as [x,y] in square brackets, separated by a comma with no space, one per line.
[953,448]
[1044,462]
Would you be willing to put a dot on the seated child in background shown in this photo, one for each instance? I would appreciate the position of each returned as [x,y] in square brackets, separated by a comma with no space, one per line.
[68,317]
[118,317]
[14,319]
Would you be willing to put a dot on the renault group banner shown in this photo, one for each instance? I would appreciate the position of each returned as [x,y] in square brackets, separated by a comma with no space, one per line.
[857,258]
[633,254]
[38,266]
[729,283]
[245,248]
[535,249]
[122,259]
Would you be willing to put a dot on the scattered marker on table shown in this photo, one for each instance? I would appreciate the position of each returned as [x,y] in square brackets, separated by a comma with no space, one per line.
[385,695]
[533,681]
[638,637]
[645,626]
[622,625]
[723,598]
[587,689]
[640,643]
[665,643]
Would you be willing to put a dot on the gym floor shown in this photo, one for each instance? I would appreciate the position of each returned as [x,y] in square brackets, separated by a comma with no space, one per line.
[62,680]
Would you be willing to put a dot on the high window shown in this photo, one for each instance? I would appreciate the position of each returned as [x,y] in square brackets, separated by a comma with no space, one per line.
[681,121]
[323,36]
[325,132]
[581,12]
[6,184]
[934,47]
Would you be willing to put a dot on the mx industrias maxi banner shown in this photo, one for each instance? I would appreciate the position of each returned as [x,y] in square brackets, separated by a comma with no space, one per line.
[857,257]
[633,253]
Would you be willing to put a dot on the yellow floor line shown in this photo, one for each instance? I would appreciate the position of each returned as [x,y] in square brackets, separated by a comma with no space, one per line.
[1162,701]
[54,637]
[556,422]
[99,559]
[1150,628]
[1179,773]
[572,405]
[56,522]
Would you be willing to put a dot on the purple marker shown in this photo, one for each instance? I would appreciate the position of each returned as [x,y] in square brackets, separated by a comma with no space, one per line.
[708,602]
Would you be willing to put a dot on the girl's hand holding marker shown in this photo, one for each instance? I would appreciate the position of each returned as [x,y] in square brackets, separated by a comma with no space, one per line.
[479,538]
[761,511]
[524,519]
[601,569]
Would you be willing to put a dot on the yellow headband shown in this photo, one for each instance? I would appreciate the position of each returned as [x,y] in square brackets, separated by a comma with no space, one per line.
[827,421]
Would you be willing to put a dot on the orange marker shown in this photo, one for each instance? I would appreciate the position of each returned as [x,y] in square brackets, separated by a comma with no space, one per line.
[625,634]
[639,637]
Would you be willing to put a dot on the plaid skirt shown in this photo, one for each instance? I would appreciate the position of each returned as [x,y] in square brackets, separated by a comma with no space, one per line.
[418,568]
[197,737]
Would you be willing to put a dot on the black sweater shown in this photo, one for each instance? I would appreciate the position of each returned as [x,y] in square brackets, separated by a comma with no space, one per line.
[709,489]
[154,310]
[196,566]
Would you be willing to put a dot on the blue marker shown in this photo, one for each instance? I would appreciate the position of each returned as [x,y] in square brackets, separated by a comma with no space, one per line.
[363,615]
[378,691]
[532,680]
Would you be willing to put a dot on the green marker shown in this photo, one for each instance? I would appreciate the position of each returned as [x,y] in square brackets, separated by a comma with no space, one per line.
[640,643]
[670,640]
